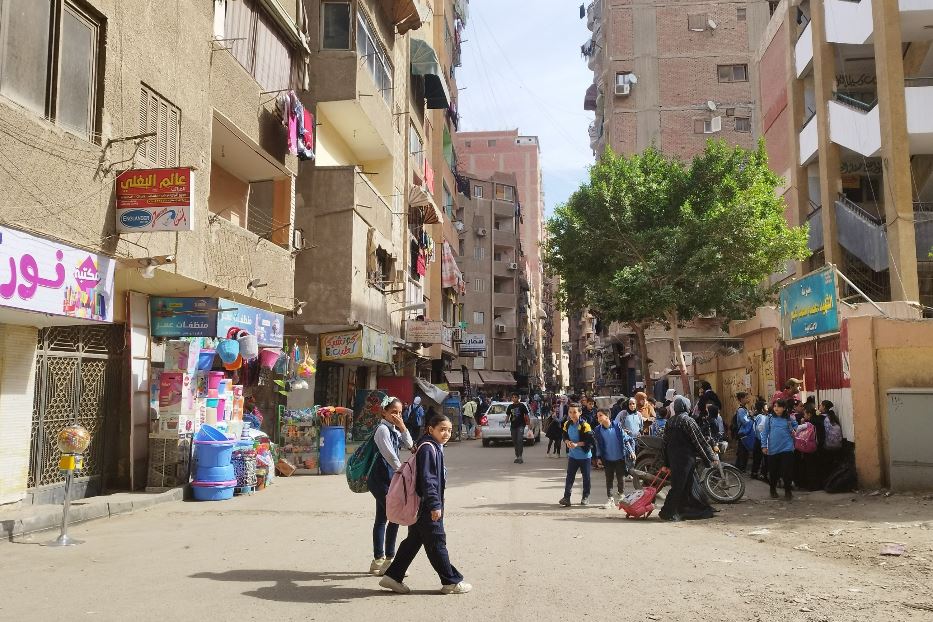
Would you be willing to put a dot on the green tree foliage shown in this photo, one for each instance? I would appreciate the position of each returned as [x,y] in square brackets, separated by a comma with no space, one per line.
[654,239]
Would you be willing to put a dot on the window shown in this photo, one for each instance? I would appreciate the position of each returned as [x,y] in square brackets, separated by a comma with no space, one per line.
[374,57]
[49,57]
[479,285]
[697,22]
[448,201]
[416,148]
[468,143]
[479,252]
[743,124]
[384,266]
[505,193]
[707,126]
[479,317]
[733,73]
[740,13]
[491,142]
[335,26]
[157,114]
[258,45]
[478,192]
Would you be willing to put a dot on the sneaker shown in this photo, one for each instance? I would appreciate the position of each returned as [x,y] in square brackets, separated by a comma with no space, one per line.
[385,566]
[517,461]
[457,588]
[520,461]
[611,503]
[585,501]
[628,478]
[774,494]
[565,502]
[377,565]
[395,586]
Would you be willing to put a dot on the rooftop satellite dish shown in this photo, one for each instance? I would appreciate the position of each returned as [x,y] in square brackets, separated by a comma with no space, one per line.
[711,24]
[711,105]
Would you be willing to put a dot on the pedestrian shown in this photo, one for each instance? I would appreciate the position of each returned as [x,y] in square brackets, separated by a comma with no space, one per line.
[630,419]
[613,448]
[707,396]
[834,437]
[810,473]
[759,459]
[717,428]
[744,432]
[588,413]
[683,442]
[777,442]
[518,417]
[790,391]
[660,422]
[554,435]
[469,418]
[618,407]
[428,530]
[415,418]
[578,437]
[390,436]
[645,409]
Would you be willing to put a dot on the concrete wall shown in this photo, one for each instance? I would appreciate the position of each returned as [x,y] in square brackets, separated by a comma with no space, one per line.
[17,390]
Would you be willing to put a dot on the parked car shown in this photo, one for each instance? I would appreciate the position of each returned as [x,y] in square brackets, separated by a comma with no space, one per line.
[495,425]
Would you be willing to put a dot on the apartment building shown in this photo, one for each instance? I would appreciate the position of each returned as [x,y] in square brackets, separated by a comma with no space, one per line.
[486,153]
[172,112]
[845,113]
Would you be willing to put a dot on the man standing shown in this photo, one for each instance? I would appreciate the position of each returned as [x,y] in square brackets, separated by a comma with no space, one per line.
[578,437]
[517,414]
[469,418]
[791,391]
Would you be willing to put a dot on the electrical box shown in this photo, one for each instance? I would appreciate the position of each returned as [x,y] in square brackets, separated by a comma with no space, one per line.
[910,438]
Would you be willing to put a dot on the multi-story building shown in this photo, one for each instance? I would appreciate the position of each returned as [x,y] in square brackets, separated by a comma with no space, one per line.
[845,114]
[494,269]
[89,90]
[505,151]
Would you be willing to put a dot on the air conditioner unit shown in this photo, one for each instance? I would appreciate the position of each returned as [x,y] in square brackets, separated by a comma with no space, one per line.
[500,328]
[623,89]
[481,232]
[513,266]
[458,335]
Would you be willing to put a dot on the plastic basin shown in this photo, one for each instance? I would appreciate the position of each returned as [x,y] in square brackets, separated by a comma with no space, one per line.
[210,433]
[212,491]
[214,474]
[213,453]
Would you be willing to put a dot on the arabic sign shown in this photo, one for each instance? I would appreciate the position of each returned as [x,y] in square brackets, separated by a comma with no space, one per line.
[155,199]
[341,346]
[377,346]
[267,326]
[420,331]
[182,317]
[808,305]
[47,277]
[473,342]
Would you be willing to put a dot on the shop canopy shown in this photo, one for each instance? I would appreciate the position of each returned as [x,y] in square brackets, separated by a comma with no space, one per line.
[424,63]
[455,378]
[418,197]
[433,393]
[501,378]
[407,14]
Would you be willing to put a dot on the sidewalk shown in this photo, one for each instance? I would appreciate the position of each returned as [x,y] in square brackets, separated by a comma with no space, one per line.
[19,520]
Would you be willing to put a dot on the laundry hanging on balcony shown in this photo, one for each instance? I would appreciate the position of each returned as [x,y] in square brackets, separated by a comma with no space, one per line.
[451,276]
[299,123]
[424,63]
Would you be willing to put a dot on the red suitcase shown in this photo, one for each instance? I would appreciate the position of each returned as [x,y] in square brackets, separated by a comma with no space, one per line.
[640,504]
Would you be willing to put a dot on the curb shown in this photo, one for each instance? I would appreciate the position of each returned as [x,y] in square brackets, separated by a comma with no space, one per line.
[51,518]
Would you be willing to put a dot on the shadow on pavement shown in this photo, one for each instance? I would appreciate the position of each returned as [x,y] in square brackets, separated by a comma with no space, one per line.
[288,590]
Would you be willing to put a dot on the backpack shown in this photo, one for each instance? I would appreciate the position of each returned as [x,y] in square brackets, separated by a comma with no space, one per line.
[833,436]
[805,439]
[746,434]
[842,479]
[361,463]
[403,500]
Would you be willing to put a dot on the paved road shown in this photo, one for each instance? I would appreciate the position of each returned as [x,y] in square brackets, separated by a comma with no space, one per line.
[299,551]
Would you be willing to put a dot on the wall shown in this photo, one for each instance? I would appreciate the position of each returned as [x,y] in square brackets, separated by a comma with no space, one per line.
[228,198]
[17,389]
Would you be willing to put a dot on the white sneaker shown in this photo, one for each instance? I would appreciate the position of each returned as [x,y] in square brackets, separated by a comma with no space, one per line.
[377,566]
[628,478]
[385,566]
[611,503]
[395,586]
[457,588]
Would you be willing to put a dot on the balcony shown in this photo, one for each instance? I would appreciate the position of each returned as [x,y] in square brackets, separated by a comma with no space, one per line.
[803,50]
[504,237]
[815,232]
[501,210]
[864,234]
[851,22]
[855,125]
[502,269]
[809,141]
[504,300]
[594,14]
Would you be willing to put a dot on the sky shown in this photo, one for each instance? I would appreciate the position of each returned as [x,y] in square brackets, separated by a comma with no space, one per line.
[522,69]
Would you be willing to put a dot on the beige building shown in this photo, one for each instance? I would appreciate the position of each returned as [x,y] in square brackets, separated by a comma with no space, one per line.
[88,90]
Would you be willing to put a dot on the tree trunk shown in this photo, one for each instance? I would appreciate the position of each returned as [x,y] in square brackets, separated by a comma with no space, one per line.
[639,329]
[673,318]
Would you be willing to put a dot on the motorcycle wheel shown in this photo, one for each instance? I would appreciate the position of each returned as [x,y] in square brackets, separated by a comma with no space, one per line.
[648,462]
[727,488]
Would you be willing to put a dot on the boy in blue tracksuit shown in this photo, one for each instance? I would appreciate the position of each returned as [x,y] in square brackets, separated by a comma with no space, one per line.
[777,442]
[578,437]
[614,446]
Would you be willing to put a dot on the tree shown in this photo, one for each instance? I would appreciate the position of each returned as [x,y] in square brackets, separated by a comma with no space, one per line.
[652,239]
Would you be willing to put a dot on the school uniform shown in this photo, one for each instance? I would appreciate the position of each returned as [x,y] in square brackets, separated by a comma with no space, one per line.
[389,441]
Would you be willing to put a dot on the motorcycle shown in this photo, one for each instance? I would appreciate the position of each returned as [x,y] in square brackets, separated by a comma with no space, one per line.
[723,483]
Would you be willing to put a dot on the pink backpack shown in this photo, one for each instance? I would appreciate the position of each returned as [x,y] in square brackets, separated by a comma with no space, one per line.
[805,439]
[402,500]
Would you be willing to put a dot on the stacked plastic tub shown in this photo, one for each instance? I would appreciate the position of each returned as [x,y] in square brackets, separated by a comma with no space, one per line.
[214,475]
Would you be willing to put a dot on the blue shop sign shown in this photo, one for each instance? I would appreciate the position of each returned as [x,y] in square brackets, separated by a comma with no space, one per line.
[268,327]
[182,317]
[809,305]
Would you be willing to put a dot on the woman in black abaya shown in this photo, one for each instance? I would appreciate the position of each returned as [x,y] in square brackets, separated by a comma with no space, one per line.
[683,441]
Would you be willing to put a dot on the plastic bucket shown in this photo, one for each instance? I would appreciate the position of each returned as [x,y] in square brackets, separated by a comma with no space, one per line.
[213,491]
[214,453]
[206,360]
[210,433]
[333,449]
[214,474]
[214,378]
[268,357]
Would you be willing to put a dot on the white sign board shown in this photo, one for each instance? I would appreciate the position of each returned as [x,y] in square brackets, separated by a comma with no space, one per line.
[473,342]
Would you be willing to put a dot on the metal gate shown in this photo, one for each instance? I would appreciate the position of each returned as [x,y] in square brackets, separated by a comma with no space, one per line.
[818,363]
[77,381]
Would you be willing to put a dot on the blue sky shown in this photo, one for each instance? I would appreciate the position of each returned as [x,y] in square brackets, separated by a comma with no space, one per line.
[522,69]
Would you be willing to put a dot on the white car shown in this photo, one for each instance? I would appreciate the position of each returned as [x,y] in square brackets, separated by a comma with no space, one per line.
[495,425]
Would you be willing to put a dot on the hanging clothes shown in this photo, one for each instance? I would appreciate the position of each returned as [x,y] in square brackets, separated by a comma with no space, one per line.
[421,267]
[293,103]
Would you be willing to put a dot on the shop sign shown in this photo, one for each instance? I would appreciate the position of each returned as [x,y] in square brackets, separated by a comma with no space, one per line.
[473,342]
[342,346]
[377,346]
[155,199]
[47,277]
[183,317]
[268,327]
[421,331]
[809,307]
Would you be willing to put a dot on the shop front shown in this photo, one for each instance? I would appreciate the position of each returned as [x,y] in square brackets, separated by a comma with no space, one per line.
[60,362]
[350,362]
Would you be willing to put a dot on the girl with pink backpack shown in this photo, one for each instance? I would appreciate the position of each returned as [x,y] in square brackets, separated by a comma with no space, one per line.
[425,469]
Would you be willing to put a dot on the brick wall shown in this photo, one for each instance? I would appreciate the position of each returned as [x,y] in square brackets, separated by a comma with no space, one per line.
[17,386]
[692,81]
[675,38]
[678,137]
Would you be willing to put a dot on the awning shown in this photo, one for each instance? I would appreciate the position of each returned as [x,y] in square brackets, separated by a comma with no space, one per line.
[408,14]
[589,101]
[419,198]
[424,63]
[455,378]
[503,378]
[435,394]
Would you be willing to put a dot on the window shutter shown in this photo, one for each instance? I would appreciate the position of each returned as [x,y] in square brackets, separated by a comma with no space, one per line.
[157,115]
[716,124]
[699,126]
[162,156]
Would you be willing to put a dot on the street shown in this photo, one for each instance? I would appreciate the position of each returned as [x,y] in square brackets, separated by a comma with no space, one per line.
[300,551]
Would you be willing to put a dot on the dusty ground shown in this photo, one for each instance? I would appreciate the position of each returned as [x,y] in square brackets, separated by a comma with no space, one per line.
[299,551]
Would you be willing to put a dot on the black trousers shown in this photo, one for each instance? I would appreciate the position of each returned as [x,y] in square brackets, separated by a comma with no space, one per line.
[556,443]
[430,535]
[615,469]
[518,439]
[781,466]
[741,456]
[759,460]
